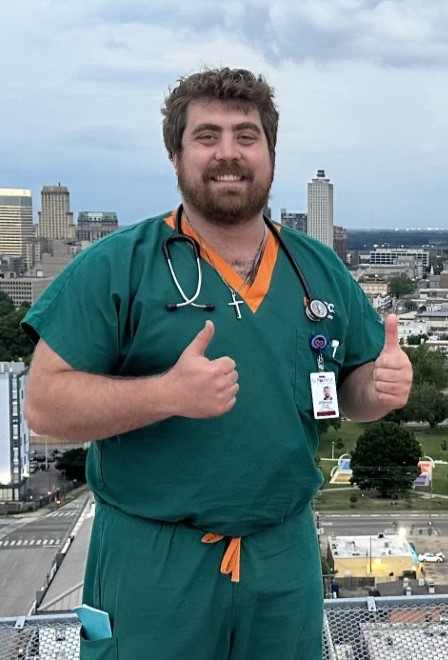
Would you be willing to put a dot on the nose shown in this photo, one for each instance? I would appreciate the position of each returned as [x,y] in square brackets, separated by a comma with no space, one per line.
[227,148]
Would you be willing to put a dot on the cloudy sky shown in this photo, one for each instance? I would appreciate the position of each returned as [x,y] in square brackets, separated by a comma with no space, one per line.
[362,87]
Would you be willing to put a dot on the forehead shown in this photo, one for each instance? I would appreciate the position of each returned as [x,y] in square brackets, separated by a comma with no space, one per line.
[221,114]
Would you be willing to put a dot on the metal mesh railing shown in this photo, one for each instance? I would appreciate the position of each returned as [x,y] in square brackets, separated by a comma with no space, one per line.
[405,628]
[51,637]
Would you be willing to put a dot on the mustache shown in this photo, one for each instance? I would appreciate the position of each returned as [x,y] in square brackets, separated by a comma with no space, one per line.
[227,170]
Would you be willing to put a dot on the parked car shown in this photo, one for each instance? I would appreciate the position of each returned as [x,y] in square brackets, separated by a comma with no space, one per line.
[437,557]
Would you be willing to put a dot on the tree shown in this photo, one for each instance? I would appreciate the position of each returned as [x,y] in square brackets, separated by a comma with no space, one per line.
[323,425]
[429,366]
[426,404]
[385,459]
[416,340]
[401,285]
[73,462]
[14,344]
[6,304]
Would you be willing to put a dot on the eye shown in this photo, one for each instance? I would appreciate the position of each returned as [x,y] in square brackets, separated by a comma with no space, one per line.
[206,138]
[247,138]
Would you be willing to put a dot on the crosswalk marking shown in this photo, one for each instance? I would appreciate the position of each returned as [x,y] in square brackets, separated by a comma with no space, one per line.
[18,543]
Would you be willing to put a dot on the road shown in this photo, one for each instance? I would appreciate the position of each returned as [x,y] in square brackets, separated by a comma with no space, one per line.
[28,546]
[427,538]
[373,523]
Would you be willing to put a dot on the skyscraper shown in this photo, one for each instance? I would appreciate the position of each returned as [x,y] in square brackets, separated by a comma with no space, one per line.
[14,433]
[16,221]
[55,218]
[93,225]
[320,208]
[294,220]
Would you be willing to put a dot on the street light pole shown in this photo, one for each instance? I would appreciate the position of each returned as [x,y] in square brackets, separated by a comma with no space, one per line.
[430,490]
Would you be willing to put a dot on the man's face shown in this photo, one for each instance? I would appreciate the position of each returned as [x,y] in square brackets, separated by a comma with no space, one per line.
[224,169]
[327,394]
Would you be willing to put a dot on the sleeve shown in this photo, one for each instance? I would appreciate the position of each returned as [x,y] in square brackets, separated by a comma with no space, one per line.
[365,330]
[78,315]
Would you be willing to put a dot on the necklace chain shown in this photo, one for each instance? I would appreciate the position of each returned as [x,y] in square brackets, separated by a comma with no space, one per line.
[250,277]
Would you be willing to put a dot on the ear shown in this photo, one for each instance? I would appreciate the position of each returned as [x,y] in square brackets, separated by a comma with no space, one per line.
[174,158]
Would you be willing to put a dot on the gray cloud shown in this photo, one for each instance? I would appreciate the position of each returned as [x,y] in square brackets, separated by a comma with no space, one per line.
[391,32]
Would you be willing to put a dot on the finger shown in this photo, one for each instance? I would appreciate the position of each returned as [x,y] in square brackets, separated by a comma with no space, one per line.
[391,341]
[200,343]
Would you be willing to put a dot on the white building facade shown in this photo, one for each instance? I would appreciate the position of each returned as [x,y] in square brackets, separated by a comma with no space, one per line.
[14,433]
[320,209]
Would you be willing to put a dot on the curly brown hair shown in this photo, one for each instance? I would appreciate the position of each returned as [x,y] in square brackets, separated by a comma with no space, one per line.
[236,86]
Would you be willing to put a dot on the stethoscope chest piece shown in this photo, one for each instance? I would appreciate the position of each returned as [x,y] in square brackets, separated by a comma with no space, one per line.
[316,310]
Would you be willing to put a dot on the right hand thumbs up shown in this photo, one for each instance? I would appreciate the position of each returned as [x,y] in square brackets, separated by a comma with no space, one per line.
[201,387]
[200,343]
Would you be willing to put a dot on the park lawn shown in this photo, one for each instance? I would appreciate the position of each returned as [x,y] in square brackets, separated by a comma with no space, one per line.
[337,497]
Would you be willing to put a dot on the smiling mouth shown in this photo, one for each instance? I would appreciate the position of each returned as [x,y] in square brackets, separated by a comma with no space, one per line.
[228,178]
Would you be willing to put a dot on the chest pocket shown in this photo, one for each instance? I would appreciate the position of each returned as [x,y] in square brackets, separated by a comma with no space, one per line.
[306,363]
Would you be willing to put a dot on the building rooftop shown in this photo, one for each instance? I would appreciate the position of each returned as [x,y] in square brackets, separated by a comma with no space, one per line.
[380,545]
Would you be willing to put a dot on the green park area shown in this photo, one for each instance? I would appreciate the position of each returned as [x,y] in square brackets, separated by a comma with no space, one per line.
[344,497]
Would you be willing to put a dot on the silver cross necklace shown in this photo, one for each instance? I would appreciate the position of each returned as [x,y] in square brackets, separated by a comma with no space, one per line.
[250,277]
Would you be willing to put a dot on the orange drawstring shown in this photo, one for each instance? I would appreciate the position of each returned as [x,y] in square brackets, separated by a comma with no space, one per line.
[231,560]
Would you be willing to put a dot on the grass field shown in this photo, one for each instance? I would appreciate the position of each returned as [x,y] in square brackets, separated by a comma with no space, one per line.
[337,498]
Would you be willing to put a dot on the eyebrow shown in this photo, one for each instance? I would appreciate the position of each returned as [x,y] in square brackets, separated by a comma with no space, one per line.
[243,126]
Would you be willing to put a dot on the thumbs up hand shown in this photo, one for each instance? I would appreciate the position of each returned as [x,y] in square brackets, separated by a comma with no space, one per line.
[392,374]
[199,387]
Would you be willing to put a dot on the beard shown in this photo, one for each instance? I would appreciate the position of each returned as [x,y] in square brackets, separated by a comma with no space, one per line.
[225,206]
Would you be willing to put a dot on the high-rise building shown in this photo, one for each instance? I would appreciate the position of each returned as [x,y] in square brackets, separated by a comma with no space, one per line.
[320,208]
[55,217]
[340,242]
[14,433]
[94,225]
[16,221]
[294,220]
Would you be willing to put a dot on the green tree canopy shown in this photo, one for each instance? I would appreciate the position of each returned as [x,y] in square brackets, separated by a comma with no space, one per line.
[429,366]
[401,285]
[73,462]
[6,304]
[385,459]
[14,344]
[426,404]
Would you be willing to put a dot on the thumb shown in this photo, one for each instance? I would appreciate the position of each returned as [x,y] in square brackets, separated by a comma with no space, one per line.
[199,344]
[391,339]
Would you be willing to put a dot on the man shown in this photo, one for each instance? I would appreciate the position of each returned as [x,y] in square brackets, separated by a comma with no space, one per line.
[203,468]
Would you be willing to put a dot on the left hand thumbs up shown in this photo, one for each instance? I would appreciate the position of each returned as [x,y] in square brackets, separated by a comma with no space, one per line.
[393,370]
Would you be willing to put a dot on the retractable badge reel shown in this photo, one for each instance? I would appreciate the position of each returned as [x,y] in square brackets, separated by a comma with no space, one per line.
[323,383]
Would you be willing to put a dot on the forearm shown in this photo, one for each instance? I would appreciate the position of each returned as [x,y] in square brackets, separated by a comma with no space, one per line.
[358,398]
[78,406]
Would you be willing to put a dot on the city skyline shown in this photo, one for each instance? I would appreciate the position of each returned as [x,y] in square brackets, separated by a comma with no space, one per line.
[361,85]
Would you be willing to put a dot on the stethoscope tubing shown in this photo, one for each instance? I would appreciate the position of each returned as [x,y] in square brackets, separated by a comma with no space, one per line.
[179,236]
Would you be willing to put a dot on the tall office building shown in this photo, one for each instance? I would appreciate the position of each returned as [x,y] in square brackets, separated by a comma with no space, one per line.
[340,242]
[294,220]
[95,225]
[16,221]
[320,208]
[14,433]
[55,217]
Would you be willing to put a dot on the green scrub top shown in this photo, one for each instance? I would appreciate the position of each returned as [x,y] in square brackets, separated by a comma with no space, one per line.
[245,470]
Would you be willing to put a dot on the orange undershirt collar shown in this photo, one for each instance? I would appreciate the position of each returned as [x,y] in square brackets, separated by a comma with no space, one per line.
[252,294]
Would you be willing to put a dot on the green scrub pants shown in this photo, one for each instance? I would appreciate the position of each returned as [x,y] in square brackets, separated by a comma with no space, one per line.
[167,598]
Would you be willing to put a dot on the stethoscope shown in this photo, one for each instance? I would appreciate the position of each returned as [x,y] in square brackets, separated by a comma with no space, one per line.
[315,310]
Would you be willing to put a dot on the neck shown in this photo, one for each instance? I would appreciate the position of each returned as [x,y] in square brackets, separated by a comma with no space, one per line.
[233,238]
[244,258]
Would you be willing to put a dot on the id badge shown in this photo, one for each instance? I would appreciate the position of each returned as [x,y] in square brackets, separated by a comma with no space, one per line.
[323,391]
